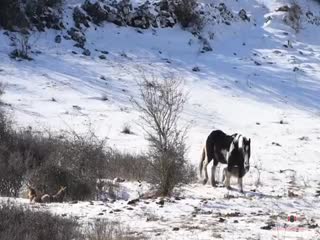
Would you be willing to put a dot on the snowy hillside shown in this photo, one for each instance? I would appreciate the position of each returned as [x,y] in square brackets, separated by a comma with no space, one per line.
[261,79]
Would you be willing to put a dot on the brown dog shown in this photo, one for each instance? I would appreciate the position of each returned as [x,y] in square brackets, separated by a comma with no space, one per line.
[34,197]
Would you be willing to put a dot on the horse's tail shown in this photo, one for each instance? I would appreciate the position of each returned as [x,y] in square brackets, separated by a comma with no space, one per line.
[203,157]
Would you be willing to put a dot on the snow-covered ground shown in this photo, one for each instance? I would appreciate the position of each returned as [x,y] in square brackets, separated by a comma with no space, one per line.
[247,84]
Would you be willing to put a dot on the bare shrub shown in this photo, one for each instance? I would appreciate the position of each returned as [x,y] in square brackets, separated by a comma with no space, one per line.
[258,167]
[125,165]
[107,230]
[293,17]
[17,223]
[187,15]
[161,107]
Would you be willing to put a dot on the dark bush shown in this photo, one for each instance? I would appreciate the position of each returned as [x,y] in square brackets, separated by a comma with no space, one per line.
[187,15]
[21,13]
[293,16]
[48,162]
[17,223]
[12,15]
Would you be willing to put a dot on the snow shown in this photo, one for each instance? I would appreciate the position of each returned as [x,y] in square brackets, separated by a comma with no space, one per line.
[230,92]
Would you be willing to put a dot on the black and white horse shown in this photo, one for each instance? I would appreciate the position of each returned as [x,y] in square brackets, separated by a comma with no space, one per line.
[233,150]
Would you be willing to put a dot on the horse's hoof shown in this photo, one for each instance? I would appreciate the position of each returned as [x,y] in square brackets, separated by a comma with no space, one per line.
[229,188]
[214,184]
[204,182]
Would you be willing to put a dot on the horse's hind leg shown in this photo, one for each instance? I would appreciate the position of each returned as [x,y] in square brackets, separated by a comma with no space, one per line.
[217,157]
[213,173]
[205,165]
[227,176]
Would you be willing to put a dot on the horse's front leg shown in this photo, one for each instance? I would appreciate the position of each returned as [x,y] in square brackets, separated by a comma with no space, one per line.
[241,174]
[240,184]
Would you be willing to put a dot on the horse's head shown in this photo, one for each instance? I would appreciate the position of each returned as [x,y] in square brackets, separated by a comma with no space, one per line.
[242,145]
[246,146]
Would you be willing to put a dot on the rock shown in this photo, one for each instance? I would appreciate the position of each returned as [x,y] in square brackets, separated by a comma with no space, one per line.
[80,17]
[283,122]
[102,57]
[276,144]
[139,22]
[164,20]
[58,39]
[284,8]
[78,36]
[292,194]
[49,18]
[267,227]
[257,63]
[304,138]
[243,15]
[267,19]
[105,52]
[133,201]
[175,229]
[118,180]
[221,220]
[76,107]
[196,69]
[124,7]
[309,14]
[66,37]
[296,69]
[160,202]
[86,52]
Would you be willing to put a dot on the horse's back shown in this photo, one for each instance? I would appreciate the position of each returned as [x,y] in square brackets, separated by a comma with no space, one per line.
[219,139]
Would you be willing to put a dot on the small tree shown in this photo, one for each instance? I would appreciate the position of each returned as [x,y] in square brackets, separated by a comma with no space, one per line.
[21,42]
[161,107]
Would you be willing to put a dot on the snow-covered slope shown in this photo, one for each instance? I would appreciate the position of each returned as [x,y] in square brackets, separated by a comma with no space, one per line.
[248,84]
